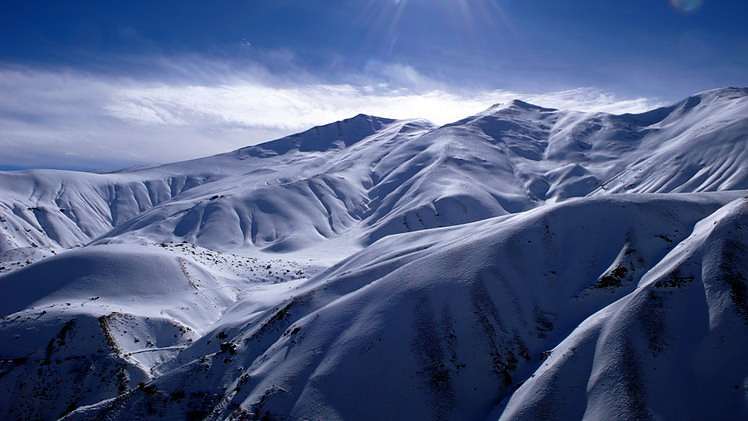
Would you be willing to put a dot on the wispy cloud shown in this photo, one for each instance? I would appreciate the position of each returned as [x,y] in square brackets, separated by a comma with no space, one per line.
[67,119]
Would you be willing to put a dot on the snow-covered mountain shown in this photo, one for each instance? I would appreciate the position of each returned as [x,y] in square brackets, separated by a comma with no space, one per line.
[522,263]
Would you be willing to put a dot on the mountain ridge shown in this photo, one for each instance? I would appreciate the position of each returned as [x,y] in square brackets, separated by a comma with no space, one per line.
[521,263]
[545,155]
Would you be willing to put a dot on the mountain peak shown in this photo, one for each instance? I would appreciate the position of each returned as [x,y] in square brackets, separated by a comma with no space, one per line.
[527,252]
[726,92]
[322,138]
[368,117]
[708,101]
[718,95]
[518,103]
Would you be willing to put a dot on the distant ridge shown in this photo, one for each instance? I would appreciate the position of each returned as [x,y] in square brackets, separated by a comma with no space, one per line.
[521,263]
[322,138]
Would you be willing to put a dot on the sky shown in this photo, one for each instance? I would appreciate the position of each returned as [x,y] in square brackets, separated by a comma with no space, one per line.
[106,84]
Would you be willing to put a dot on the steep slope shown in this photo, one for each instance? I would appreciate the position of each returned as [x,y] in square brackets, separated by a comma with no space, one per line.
[59,209]
[700,144]
[369,177]
[94,323]
[515,157]
[493,267]
[62,209]
[671,349]
[276,202]
[445,323]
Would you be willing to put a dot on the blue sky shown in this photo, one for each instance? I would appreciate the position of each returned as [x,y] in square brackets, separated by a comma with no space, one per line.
[106,84]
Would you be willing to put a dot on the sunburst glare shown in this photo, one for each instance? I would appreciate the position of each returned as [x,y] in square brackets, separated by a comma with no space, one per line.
[686,5]
[389,29]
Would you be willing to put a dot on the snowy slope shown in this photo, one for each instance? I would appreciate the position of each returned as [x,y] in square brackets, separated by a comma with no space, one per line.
[385,176]
[453,324]
[379,269]
[672,349]
[95,322]
[64,209]
[699,144]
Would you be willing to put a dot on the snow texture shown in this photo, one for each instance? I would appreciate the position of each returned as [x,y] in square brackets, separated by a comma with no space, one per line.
[522,263]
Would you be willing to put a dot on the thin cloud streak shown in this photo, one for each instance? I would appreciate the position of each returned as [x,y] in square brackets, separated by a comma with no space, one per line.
[75,120]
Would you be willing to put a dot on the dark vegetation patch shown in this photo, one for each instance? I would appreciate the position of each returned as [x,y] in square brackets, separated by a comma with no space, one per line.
[60,340]
[634,403]
[674,281]
[504,346]
[613,279]
[282,316]
[228,347]
[435,368]
[543,322]
[732,263]
[651,321]
[104,324]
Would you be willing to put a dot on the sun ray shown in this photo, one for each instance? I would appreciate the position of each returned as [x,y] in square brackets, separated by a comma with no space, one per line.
[686,5]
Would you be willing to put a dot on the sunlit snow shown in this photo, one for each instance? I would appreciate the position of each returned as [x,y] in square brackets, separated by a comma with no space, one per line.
[521,263]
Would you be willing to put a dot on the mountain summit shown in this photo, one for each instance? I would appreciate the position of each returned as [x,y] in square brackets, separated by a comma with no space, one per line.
[319,139]
[521,263]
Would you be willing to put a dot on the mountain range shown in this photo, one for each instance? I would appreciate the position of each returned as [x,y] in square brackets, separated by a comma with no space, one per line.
[521,263]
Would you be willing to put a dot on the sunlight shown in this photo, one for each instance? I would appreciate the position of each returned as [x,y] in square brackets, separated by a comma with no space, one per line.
[391,26]
[686,5]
